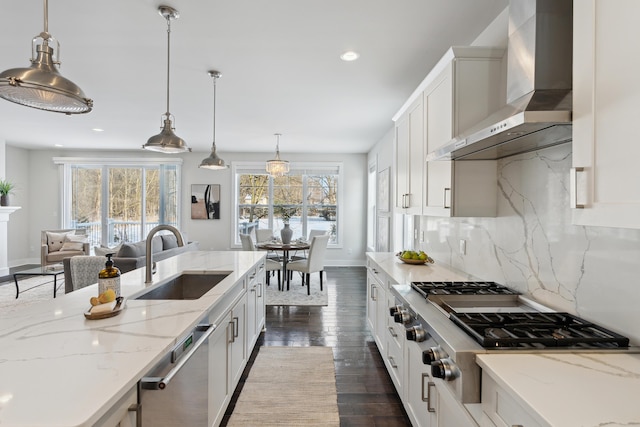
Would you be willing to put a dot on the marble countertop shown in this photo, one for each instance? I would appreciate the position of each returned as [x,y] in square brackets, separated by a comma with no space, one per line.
[407,273]
[59,369]
[571,389]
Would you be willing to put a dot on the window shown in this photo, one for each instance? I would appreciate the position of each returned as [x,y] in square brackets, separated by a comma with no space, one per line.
[310,194]
[119,201]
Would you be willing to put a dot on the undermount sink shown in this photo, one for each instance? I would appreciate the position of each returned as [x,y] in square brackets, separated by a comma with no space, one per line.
[186,286]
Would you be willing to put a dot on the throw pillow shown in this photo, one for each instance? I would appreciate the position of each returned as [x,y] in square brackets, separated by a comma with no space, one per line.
[104,250]
[73,242]
[56,240]
[169,241]
[132,250]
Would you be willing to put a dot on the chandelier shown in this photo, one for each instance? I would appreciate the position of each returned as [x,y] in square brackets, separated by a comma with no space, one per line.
[277,166]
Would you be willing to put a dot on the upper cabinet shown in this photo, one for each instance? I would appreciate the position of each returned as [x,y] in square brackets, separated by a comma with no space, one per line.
[409,159]
[463,88]
[606,96]
[466,89]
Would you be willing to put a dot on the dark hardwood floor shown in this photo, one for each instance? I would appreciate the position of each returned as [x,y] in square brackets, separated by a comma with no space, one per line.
[366,395]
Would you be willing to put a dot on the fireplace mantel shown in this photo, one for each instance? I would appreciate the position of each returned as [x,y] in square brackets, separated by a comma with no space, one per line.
[5,211]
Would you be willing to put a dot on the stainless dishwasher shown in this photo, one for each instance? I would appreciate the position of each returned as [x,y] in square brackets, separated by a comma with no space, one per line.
[175,392]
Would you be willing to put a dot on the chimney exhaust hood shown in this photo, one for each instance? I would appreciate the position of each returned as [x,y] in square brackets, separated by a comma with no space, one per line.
[539,80]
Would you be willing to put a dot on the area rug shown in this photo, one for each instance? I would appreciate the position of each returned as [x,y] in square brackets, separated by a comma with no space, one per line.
[297,294]
[32,290]
[289,386]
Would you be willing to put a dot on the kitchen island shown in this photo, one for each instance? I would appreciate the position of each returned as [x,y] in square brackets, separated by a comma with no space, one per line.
[59,369]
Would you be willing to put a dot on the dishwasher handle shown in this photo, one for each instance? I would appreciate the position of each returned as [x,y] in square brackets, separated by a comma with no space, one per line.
[160,383]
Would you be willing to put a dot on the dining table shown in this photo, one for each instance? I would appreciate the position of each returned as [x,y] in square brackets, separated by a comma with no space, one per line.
[285,248]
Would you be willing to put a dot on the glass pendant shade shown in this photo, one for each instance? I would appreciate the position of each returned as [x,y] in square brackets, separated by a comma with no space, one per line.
[213,162]
[167,141]
[41,86]
[277,166]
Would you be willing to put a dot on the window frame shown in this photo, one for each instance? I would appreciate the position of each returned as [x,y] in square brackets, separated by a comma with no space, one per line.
[295,168]
[67,163]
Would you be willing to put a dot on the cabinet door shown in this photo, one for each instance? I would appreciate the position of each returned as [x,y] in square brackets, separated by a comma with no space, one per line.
[420,401]
[260,302]
[409,154]
[252,302]
[402,162]
[220,388]
[450,412]
[237,341]
[606,96]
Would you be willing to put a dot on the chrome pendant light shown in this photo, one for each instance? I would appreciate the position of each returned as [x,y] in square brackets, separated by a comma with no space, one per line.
[213,161]
[41,86]
[277,166]
[167,141]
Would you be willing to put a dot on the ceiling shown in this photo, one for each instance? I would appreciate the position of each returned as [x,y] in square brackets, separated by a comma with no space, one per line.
[281,71]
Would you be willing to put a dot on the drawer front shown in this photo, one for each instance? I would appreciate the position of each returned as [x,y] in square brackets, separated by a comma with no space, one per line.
[502,409]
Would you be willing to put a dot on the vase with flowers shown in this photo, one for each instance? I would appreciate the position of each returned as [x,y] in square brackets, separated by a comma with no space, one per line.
[286,232]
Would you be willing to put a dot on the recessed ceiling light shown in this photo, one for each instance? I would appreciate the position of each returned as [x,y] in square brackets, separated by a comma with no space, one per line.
[58,145]
[349,56]
[97,130]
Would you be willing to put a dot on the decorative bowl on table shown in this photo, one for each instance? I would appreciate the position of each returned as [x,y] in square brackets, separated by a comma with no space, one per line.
[426,259]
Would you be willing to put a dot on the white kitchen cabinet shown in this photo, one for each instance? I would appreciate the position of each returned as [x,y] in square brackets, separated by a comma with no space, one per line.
[377,305]
[606,96]
[463,88]
[421,396]
[221,388]
[123,413]
[237,341]
[503,410]
[255,304]
[409,159]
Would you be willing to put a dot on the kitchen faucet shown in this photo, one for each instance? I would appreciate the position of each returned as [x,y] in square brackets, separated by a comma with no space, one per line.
[149,255]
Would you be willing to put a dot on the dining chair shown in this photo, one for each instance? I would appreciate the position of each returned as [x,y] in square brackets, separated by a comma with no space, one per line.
[269,264]
[312,234]
[266,235]
[315,261]
[83,271]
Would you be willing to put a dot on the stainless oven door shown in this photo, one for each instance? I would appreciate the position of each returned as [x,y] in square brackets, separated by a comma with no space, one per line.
[175,392]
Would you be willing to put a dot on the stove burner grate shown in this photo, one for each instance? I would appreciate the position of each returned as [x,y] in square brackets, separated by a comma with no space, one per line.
[461,288]
[537,330]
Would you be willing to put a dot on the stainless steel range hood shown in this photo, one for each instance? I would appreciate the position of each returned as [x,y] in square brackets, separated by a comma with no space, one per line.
[539,79]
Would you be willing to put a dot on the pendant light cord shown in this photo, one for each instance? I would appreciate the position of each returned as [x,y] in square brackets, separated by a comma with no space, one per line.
[46,16]
[215,80]
[168,60]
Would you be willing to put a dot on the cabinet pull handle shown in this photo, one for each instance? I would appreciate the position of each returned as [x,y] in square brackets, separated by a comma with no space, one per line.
[260,290]
[233,338]
[236,329]
[392,362]
[444,199]
[374,297]
[137,408]
[424,398]
[574,188]
[429,408]
[392,331]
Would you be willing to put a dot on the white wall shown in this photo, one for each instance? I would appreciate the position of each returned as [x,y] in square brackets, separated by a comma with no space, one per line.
[41,199]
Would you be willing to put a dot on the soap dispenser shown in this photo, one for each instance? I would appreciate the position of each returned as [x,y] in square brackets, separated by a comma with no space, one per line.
[109,277]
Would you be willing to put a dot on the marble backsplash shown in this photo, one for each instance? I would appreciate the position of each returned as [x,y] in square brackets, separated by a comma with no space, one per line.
[531,246]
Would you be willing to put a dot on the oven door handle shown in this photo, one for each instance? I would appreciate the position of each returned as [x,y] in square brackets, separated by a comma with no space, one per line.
[158,383]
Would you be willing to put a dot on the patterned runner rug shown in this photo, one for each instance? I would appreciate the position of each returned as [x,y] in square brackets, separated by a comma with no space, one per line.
[289,386]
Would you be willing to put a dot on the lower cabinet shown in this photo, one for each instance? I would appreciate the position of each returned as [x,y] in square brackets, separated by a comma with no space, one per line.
[500,409]
[123,413]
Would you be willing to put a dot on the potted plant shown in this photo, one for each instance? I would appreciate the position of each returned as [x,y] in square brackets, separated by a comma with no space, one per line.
[6,188]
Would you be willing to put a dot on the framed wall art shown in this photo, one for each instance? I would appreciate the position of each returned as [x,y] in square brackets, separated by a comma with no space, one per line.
[205,201]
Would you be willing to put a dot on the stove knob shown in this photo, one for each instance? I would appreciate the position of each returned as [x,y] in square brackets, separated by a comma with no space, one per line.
[416,333]
[402,316]
[393,310]
[431,355]
[445,369]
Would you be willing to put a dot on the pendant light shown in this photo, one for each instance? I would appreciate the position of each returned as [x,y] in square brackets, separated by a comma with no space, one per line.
[167,141]
[213,161]
[41,86]
[277,167]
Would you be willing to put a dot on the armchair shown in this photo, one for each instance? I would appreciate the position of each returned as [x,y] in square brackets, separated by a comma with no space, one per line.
[59,244]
